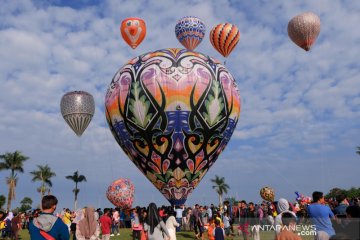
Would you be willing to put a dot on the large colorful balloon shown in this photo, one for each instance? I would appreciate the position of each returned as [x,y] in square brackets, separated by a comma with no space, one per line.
[173,111]
[304,29]
[77,108]
[133,31]
[224,38]
[190,31]
[268,194]
[121,193]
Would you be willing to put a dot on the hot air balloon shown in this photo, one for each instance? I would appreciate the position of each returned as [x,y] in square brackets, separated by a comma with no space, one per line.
[133,31]
[224,38]
[190,32]
[121,193]
[304,29]
[77,108]
[267,193]
[173,111]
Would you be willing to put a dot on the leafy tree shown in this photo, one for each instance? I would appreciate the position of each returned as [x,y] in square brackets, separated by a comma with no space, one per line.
[353,193]
[77,179]
[44,175]
[231,200]
[2,201]
[220,187]
[334,192]
[25,204]
[358,150]
[350,193]
[13,162]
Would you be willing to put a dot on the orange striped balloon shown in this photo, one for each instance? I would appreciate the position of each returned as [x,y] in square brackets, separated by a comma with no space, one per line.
[224,38]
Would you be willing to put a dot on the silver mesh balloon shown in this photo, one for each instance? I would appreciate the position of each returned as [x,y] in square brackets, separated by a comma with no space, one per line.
[77,108]
[304,29]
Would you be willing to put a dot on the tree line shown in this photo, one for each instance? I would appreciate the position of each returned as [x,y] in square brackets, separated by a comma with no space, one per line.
[14,162]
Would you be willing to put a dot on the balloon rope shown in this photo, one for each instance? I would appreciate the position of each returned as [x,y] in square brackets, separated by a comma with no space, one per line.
[108,143]
[280,174]
[324,169]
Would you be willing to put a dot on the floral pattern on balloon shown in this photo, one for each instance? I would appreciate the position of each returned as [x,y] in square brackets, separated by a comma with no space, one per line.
[173,111]
[190,31]
[121,193]
[267,193]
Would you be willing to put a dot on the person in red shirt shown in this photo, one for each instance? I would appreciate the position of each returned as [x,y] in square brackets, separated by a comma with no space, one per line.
[162,213]
[105,223]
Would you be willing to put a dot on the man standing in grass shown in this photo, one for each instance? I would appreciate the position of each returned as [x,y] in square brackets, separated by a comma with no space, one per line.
[321,216]
[105,223]
[46,225]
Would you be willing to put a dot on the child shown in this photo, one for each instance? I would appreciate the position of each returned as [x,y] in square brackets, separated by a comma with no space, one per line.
[136,225]
[211,228]
[218,232]
[289,222]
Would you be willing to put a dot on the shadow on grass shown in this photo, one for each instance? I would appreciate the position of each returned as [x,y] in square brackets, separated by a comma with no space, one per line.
[186,235]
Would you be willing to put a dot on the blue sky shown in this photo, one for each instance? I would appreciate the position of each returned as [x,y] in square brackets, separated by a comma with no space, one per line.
[298,128]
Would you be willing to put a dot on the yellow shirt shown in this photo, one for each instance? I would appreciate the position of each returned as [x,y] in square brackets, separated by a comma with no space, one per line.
[2,225]
[67,218]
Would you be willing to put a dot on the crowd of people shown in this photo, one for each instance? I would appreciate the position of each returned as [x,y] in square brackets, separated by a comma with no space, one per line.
[331,219]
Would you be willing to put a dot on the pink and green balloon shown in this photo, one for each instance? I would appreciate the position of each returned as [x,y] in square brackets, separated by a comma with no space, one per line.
[121,193]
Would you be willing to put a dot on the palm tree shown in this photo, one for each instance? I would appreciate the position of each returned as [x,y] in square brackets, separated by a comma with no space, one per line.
[43,174]
[220,187]
[77,179]
[13,162]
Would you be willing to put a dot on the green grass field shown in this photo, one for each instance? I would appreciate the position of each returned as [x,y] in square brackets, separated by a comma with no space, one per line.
[125,234]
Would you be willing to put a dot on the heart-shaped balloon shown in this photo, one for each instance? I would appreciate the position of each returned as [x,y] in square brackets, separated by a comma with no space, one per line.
[133,31]
[173,111]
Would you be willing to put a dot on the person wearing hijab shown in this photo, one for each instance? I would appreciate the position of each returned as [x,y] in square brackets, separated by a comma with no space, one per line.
[15,226]
[154,225]
[88,227]
[172,224]
[282,207]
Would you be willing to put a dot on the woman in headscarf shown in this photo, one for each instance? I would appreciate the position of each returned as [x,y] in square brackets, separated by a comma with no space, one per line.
[88,227]
[171,224]
[15,226]
[154,225]
[282,207]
